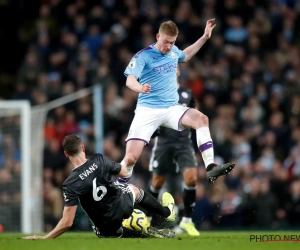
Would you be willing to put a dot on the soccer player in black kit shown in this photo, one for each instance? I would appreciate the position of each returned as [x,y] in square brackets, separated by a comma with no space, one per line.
[106,203]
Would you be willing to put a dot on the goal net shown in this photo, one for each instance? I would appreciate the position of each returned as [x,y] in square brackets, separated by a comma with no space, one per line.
[15,171]
[25,190]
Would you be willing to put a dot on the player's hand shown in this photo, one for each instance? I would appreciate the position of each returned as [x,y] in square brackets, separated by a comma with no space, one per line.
[209,27]
[34,237]
[146,88]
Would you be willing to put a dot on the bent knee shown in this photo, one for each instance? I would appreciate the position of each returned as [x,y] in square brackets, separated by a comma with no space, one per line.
[190,176]
[158,181]
[205,119]
[196,119]
[136,190]
[201,120]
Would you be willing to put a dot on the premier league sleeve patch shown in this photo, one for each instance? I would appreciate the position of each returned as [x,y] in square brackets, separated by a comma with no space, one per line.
[132,64]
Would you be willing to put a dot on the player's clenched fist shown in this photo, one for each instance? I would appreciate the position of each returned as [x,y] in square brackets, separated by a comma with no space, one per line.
[146,88]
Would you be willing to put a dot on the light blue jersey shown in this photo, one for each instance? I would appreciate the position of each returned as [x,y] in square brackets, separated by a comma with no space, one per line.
[151,66]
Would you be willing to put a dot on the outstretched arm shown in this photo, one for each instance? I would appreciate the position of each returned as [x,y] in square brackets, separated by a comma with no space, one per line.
[63,225]
[195,47]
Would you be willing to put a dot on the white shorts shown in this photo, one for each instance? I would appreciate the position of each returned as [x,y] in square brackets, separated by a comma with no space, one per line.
[147,120]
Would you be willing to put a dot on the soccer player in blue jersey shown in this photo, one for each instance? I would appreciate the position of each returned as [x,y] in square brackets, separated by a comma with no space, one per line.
[152,73]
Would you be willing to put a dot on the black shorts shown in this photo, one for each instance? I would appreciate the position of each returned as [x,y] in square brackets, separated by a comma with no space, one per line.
[172,158]
[174,183]
[112,227]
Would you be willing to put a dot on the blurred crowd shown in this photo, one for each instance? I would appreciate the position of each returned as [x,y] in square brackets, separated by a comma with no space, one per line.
[246,79]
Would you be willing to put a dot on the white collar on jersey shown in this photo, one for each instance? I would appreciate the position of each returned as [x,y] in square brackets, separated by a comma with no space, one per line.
[79,165]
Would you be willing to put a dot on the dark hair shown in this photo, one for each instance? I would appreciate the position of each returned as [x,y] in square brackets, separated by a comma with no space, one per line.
[72,144]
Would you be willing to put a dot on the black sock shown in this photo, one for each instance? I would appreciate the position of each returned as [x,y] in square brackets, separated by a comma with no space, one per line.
[189,198]
[154,192]
[152,205]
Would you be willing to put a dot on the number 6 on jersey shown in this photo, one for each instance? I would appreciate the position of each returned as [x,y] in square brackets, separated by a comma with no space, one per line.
[97,189]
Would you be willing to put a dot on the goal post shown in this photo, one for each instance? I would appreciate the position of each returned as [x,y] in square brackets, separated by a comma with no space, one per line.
[22,109]
[98,117]
[28,134]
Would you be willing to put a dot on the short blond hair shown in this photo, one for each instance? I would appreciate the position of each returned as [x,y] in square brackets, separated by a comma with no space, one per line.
[169,28]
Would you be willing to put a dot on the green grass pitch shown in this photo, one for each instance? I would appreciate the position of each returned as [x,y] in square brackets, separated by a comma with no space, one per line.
[207,241]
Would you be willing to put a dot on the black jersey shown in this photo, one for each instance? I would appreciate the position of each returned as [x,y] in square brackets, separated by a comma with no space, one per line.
[92,185]
[167,135]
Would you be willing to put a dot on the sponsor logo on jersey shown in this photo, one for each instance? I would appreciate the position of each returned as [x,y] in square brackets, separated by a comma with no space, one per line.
[170,67]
